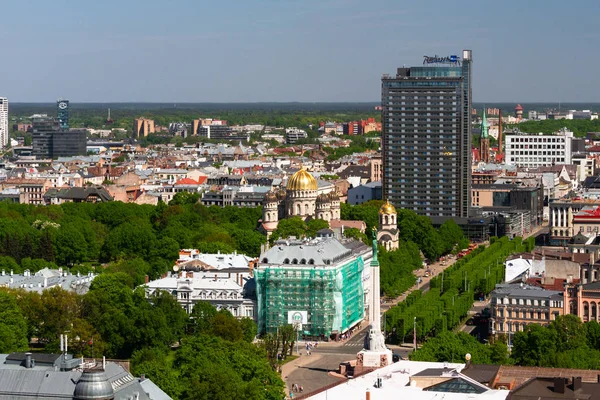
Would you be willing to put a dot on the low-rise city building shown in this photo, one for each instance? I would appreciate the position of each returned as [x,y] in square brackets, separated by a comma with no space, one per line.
[514,307]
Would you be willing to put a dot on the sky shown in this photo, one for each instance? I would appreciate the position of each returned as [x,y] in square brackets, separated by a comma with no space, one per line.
[291,50]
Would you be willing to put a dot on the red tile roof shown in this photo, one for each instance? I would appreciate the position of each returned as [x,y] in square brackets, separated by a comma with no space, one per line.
[186,181]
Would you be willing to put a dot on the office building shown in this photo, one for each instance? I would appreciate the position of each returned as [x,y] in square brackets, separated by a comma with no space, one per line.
[49,141]
[142,127]
[62,112]
[535,150]
[426,136]
[3,122]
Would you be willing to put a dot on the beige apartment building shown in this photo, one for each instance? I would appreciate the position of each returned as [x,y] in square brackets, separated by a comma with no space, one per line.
[142,127]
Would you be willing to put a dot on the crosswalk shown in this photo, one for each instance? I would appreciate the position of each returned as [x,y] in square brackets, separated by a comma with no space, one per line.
[353,344]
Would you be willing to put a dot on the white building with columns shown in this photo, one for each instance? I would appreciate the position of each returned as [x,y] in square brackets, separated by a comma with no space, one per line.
[561,218]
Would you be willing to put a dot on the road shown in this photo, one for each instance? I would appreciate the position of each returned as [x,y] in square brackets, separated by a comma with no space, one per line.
[312,372]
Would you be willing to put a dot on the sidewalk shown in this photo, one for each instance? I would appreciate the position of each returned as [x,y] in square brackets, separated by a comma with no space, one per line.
[301,361]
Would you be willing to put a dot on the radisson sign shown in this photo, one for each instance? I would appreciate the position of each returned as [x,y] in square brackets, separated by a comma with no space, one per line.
[441,60]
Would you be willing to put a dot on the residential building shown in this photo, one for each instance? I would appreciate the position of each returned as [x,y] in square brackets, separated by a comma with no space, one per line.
[556,388]
[538,150]
[376,169]
[190,287]
[224,280]
[89,194]
[199,123]
[426,137]
[583,300]
[292,135]
[514,307]
[320,278]
[4,132]
[31,191]
[561,217]
[586,165]
[62,112]
[46,278]
[367,192]
[142,127]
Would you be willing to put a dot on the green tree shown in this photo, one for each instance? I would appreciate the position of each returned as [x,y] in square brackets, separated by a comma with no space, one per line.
[249,329]
[216,369]
[202,316]
[294,226]
[13,327]
[315,225]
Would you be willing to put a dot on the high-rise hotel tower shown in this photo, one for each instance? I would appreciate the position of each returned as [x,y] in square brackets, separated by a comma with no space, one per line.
[4,134]
[426,136]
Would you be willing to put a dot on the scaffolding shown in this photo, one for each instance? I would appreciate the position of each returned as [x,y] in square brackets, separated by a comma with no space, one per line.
[332,296]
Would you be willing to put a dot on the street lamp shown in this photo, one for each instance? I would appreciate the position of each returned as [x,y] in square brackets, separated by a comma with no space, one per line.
[415,333]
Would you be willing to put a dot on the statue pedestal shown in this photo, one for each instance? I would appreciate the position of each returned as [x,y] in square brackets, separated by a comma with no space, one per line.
[373,359]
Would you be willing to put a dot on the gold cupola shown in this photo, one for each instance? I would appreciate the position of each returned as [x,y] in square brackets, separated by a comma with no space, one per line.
[302,180]
[387,208]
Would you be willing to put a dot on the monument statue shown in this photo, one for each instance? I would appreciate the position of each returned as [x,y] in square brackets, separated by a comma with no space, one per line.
[374,344]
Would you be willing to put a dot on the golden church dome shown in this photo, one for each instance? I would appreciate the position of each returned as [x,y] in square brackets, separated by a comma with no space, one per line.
[302,180]
[387,208]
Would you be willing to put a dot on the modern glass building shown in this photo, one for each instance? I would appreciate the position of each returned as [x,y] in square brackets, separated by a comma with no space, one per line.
[426,141]
[50,141]
[62,111]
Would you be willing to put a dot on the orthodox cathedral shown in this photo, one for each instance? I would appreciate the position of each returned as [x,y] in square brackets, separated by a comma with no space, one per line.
[301,198]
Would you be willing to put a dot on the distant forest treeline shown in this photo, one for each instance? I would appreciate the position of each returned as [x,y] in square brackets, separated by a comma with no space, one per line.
[94,115]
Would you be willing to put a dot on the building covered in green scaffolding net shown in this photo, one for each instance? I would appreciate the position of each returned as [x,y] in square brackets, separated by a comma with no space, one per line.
[322,279]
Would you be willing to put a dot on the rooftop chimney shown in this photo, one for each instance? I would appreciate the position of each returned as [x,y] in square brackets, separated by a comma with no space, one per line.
[576,383]
[28,361]
[368,394]
[559,385]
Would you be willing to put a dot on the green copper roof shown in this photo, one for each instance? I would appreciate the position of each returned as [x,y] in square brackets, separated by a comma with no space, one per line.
[484,126]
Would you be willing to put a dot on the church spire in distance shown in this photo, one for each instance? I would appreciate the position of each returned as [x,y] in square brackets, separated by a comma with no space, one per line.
[484,125]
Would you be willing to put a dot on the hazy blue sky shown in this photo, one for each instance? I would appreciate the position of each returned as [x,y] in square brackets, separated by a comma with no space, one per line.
[291,50]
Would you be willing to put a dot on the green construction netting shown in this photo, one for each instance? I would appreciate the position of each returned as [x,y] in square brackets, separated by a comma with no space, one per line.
[331,295]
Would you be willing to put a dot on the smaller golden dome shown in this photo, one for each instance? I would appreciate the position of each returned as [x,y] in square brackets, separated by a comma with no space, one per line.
[302,180]
[270,197]
[387,208]
[322,198]
[281,194]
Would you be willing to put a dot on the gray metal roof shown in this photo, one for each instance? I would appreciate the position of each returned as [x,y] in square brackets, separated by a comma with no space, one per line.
[44,382]
[525,291]
[318,251]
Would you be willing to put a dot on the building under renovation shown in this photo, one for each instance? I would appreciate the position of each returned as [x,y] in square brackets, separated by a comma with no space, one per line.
[317,283]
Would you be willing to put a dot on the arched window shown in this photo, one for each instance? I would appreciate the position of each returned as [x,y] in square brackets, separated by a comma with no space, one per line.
[286,261]
[311,261]
[267,217]
[265,260]
[298,209]
[306,209]
[295,261]
[303,261]
[385,218]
